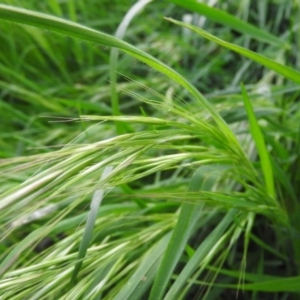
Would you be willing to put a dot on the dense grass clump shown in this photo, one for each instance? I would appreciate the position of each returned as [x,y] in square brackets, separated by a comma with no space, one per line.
[149,150]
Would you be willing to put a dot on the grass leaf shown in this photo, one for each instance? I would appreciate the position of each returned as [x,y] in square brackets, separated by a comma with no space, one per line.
[148,266]
[229,20]
[188,216]
[283,70]
[90,223]
[260,145]
[200,254]
[62,26]
[113,62]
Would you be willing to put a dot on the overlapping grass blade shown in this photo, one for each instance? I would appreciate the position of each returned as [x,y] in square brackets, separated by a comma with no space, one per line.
[90,223]
[189,213]
[78,31]
[113,61]
[203,178]
[162,147]
[283,70]
[260,145]
[141,277]
[228,20]
[200,255]
[265,284]
[13,255]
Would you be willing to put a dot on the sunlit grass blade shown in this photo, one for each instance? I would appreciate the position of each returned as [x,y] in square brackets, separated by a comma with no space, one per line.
[28,189]
[141,276]
[283,70]
[13,255]
[90,223]
[205,247]
[257,135]
[188,216]
[226,19]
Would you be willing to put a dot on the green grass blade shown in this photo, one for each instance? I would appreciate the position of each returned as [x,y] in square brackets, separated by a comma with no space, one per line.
[28,241]
[188,216]
[285,71]
[72,29]
[229,20]
[90,223]
[282,284]
[151,261]
[199,255]
[186,221]
[113,63]
[260,145]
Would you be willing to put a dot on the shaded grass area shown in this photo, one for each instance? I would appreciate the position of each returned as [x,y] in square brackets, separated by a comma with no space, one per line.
[149,171]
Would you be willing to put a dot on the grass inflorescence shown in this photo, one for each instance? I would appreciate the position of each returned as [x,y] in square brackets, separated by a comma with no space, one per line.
[149,151]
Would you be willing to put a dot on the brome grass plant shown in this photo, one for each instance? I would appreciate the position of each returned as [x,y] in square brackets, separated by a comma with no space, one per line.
[149,150]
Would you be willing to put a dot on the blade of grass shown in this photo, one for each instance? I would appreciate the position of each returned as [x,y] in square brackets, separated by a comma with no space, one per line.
[199,255]
[113,63]
[58,25]
[282,284]
[260,145]
[94,291]
[13,255]
[283,70]
[188,216]
[90,223]
[28,189]
[137,280]
[229,20]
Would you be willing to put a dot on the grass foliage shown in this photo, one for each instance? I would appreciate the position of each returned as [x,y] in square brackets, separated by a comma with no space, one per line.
[149,150]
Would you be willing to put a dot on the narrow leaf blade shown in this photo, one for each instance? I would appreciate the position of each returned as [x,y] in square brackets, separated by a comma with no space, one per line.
[229,20]
[260,145]
[285,71]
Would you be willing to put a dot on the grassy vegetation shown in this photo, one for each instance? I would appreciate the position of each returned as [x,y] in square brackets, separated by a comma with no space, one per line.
[149,149]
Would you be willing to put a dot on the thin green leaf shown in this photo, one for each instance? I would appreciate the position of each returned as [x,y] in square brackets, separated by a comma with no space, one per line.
[62,26]
[199,255]
[113,62]
[186,221]
[141,277]
[260,145]
[282,284]
[22,246]
[188,216]
[229,20]
[90,223]
[283,70]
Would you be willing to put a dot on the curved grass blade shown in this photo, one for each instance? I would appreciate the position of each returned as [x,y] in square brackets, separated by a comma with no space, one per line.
[90,223]
[29,240]
[72,29]
[187,219]
[260,145]
[199,255]
[113,63]
[188,216]
[283,70]
[145,273]
[229,20]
